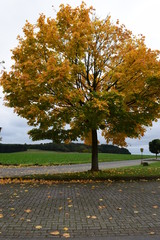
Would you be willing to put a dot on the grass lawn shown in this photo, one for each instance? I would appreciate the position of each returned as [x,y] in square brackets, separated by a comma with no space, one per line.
[151,172]
[126,173]
[54,158]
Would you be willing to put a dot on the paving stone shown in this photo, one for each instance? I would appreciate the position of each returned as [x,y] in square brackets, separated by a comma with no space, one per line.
[129,212]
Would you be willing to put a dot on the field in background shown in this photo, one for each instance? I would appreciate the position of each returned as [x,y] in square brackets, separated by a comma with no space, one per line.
[58,158]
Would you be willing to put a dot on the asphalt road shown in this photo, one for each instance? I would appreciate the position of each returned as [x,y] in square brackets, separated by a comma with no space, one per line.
[23,171]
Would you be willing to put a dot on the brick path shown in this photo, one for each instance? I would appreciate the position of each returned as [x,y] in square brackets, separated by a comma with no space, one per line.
[90,210]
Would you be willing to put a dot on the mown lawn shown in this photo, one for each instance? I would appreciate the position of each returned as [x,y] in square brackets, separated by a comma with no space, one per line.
[126,173]
[54,158]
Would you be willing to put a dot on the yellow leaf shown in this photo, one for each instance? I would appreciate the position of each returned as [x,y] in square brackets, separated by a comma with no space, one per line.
[70,206]
[66,235]
[38,227]
[1,215]
[28,210]
[119,208]
[65,229]
[135,211]
[155,206]
[100,199]
[55,233]
[12,209]
[102,207]
[93,217]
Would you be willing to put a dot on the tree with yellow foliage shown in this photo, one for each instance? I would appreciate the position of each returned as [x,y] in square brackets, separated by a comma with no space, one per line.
[85,73]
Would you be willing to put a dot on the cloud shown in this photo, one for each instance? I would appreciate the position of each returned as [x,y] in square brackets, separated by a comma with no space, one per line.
[139,16]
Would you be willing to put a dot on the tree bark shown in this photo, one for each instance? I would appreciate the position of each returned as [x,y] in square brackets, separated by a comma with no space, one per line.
[94,166]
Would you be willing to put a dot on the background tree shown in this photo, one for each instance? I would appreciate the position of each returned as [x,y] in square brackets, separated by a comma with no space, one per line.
[0,132]
[84,73]
[154,146]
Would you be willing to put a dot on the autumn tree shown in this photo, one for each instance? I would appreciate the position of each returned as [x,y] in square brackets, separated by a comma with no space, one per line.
[154,146]
[76,74]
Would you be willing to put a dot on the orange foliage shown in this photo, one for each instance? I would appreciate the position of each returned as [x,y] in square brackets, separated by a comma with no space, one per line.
[86,72]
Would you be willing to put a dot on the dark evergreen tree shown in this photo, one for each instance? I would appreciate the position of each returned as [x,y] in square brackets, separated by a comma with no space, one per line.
[154,146]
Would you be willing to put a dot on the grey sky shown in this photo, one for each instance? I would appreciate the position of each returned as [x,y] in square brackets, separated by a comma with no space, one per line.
[139,16]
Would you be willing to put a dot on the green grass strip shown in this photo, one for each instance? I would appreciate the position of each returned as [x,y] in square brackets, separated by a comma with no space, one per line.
[53,158]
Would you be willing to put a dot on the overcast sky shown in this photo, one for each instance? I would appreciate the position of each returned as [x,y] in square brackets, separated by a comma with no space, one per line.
[139,16]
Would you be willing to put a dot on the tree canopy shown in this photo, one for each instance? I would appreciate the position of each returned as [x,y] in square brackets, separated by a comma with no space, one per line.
[76,74]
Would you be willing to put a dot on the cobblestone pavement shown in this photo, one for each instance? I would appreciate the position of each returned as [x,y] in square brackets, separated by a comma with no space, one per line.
[94,210]
[22,171]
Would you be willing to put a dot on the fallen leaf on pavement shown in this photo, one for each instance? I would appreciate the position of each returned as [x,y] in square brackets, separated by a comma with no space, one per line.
[65,229]
[119,208]
[136,212]
[66,235]
[55,233]
[38,227]
[93,217]
[28,210]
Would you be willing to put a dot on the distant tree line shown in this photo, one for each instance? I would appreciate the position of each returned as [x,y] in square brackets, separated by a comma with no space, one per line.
[8,148]
[71,147]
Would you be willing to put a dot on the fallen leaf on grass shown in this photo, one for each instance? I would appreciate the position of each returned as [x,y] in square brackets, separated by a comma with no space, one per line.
[55,233]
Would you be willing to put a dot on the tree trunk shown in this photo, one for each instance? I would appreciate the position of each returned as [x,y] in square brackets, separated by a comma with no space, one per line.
[94,151]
